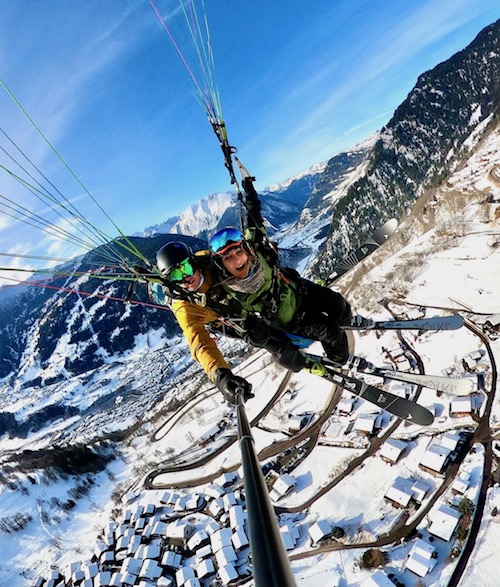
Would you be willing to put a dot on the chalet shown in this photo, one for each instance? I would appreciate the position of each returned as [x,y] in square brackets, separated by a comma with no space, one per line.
[212,527]
[292,529]
[225,556]
[165,497]
[183,574]
[199,538]
[392,450]
[205,568]
[450,440]
[150,570]
[421,558]
[443,522]
[133,545]
[221,539]
[90,570]
[319,531]
[239,539]
[420,490]
[216,507]
[400,492]
[226,479]
[227,574]
[237,517]
[210,434]
[282,487]
[171,560]
[229,500]
[378,579]
[132,566]
[287,538]
[461,405]
[367,422]
[214,491]
[178,532]
[461,484]
[204,552]
[346,406]
[435,459]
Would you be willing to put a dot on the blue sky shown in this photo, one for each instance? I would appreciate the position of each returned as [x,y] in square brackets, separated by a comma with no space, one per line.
[299,82]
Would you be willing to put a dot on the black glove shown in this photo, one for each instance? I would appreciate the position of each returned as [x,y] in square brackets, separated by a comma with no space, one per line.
[247,184]
[291,358]
[230,384]
[257,331]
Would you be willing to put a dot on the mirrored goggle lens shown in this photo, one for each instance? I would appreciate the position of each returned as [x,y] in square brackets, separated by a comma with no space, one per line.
[224,239]
[183,270]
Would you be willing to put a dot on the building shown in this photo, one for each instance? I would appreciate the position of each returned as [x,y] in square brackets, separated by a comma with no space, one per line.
[443,522]
[421,558]
[319,531]
[282,487]
[435,458]
[461,405]
[392,450]
[367,422]
[400,493]
[378,579]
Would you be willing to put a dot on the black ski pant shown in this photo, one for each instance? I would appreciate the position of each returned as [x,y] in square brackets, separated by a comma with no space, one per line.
[319,316]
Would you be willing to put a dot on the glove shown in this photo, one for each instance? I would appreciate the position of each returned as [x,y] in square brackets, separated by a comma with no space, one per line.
[230,384]
[291,358]
[257,331]
[247,184]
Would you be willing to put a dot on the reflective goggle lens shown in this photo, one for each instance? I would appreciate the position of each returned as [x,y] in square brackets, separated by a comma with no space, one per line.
[224,239]
[183,270]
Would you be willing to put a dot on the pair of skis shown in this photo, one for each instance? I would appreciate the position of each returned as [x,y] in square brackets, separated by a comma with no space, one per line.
[396,405]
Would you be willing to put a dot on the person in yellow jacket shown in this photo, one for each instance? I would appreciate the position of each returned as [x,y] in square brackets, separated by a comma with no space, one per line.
[189,282]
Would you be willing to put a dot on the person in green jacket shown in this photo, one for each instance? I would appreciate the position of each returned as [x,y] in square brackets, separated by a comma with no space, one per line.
[273,297]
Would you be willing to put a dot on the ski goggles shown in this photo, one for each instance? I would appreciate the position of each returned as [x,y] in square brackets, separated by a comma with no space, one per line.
[182,270]
[225,239]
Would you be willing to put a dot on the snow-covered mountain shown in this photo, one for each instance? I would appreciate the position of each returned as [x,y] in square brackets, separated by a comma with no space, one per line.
[282,204]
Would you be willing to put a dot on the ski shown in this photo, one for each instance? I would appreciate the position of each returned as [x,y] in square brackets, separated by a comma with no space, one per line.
[451,322]
[376,239]
[450,385]
[397,406]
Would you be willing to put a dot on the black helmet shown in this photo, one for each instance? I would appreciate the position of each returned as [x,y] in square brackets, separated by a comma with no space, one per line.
[171,255]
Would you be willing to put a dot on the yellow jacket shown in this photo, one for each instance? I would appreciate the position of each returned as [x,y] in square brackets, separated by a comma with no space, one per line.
[192,319]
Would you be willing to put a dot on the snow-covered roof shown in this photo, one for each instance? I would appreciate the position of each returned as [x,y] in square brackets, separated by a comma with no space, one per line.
[150,570]
[227,573]
[461,404]
[420,490]
[320,530]
[461,483]
[435,457]
[400,491]
[365,422]
[239,539]
[205,568]
[221,538]
[392,449]
[171,559]
[284,484]
[183,574]
[378,579]
[444,522]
